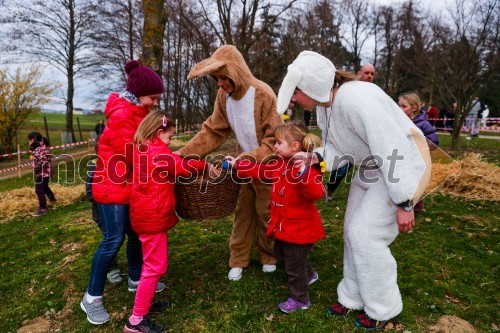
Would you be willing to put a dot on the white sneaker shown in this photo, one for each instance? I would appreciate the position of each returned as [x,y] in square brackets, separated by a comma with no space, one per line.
[235,274]
[114,276]
[268,268]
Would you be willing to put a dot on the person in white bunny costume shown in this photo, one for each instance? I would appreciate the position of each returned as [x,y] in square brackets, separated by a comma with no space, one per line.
[362,124]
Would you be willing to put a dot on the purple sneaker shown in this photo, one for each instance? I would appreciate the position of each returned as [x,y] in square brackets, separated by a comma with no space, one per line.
[292,305]
[313,278]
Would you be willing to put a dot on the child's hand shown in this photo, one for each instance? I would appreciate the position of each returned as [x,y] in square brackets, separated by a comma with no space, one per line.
[308,158]
[300,164]
[230,160]
[213,171]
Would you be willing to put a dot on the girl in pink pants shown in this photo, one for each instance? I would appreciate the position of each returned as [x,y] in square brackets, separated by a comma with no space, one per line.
[152,208]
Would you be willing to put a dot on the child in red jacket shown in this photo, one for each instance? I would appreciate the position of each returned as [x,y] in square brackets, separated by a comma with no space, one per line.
[152,208]
[295,220]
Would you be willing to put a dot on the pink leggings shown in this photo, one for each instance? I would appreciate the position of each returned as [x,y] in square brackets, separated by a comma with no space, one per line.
[154,254]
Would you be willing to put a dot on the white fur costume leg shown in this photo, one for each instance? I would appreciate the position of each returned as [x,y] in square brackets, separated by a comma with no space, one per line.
[370,271]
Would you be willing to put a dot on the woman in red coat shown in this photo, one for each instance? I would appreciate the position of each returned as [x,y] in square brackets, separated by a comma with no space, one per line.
[295,221]
[112,183]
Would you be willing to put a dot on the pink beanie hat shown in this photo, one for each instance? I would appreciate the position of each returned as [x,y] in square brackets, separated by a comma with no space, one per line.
[142,80]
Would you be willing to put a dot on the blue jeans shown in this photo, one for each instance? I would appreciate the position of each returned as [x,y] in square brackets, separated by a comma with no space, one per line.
[115,223]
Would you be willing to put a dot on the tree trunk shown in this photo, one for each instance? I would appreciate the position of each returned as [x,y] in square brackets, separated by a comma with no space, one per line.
[155,19]
[71,63]
[455,134]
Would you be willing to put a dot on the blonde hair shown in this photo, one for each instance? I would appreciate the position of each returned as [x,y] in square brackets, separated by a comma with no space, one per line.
[342,77]
[414,101]
[148,127]
[297,132]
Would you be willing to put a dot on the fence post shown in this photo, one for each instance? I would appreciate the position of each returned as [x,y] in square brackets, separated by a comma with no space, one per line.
[18,160]
[79,129]
[46,129]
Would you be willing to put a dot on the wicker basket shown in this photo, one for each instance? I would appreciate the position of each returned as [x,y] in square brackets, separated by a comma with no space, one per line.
[200,200]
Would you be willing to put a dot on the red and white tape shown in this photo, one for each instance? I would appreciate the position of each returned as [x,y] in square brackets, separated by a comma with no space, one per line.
[54,147]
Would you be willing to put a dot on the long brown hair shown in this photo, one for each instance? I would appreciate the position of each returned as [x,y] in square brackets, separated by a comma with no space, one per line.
[148,127]
[342,77]
[295,131]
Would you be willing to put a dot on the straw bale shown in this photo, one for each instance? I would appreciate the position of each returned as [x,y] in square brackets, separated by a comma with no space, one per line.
[470,178]
[22,201]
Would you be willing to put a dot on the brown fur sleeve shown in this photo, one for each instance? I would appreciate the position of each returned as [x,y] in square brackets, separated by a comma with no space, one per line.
[214,131]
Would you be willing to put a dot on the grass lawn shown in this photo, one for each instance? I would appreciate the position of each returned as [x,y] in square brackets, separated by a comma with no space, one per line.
[489,148]
[448,265]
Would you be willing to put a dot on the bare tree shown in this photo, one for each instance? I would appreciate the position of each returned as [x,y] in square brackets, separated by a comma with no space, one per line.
[57,32]
[117,39]
[357,26]
[466,57]
[239,22]
[189,39]
[390,40]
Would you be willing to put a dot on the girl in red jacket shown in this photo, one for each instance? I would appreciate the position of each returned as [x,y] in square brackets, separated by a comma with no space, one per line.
[295,220]
[152,208]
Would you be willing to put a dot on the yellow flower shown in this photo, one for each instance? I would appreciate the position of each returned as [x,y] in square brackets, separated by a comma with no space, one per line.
[323,166]
[286,117]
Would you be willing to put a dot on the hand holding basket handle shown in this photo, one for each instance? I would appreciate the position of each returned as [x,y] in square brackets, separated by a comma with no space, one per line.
[228,162]
[213,171]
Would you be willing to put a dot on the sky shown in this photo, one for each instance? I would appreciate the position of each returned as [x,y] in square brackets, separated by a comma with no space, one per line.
[88,97]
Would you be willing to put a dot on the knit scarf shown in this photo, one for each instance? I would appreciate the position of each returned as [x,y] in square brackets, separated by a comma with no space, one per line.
[130,97]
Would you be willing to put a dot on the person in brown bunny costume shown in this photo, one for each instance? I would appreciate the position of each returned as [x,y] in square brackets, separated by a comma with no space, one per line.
[245,106]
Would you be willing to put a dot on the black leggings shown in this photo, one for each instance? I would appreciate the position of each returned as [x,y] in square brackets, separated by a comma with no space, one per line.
[41,189]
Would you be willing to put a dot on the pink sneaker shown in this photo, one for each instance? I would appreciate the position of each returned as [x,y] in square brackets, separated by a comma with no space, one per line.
[292,305]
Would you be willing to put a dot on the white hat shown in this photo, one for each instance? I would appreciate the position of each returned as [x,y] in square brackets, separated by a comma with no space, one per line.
[310,72]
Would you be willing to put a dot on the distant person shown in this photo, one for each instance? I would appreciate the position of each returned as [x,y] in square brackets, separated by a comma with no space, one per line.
[472,120]
[112,183]
[432,114]
[41,171]
[295,221]
[290,112]
[367,73]
[307,117]
[449,117]
[423,107]
[484,116]
[410,104]
[99,128]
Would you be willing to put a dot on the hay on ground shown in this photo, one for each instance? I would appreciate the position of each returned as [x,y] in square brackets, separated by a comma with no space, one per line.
[470,178]
[23,201]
